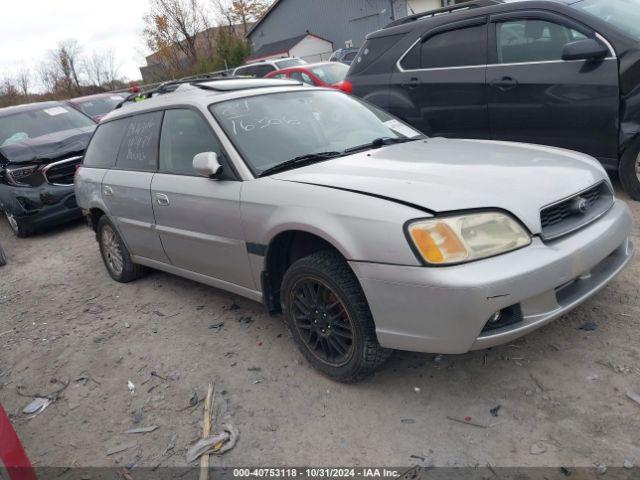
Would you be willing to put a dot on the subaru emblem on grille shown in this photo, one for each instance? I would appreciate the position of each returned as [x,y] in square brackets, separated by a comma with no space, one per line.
[579,205]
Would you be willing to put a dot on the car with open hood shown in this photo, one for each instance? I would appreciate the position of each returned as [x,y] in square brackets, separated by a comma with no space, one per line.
[564,73]
[366,235]
[41,144]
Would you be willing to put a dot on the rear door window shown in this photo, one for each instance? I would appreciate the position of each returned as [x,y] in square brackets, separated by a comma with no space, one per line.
[105,143]
[455,48]
[302,77]
[185,134]
[139,149]
[525,41]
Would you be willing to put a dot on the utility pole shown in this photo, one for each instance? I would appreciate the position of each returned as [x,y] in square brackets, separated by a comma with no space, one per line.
[393,17]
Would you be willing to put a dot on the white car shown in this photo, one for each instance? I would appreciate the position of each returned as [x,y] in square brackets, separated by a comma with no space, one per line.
[263,68]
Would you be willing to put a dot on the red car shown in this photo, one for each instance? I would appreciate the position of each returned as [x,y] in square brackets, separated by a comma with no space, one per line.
[324,74]
[98,105]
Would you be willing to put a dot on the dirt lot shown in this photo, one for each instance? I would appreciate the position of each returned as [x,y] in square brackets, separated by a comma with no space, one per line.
[561,389]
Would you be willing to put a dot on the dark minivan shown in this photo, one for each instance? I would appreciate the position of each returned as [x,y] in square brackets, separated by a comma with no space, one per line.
[562,73]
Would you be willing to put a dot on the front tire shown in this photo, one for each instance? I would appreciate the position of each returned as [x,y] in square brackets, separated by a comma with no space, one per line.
[629,172]
[18,228]
[329,317]
[115,255]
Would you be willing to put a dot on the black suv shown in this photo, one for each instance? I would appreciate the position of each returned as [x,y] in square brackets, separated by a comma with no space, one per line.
[560,73]
[40,146]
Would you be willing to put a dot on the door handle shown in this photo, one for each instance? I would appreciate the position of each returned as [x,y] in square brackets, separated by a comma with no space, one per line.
[505,84]
[107,191]
[414,82]
[162,199]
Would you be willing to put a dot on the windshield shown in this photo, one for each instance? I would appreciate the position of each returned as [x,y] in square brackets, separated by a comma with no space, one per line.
[622,14]
[36,123]
[97,107]
[270,129]
[292,62]
[332,73]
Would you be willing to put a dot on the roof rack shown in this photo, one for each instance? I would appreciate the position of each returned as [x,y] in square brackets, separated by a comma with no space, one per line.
[197,81]
[443,11]
[171,86]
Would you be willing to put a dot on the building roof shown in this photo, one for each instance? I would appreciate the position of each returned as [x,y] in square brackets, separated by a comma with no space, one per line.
[281,46]
[265,15]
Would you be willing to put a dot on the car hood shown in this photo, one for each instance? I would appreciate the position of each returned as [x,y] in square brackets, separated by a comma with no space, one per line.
[48,147]
[442,175]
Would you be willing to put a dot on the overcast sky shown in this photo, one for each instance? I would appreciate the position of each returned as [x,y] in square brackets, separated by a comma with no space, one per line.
[32,27]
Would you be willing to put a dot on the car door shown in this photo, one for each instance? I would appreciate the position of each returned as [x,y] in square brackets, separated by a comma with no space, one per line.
[126,188]
[439,85]
[536,97]
[198,218]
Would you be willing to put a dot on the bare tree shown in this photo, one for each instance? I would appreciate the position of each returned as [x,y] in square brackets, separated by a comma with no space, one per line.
[171,28]
[65,61]
[241,12]
[101,68]
[23,79]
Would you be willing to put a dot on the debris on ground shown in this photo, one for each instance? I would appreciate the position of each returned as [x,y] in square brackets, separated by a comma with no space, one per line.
[416,389]
[131,387]
[216,326]
[588,326]
[137,416]
[468,421]
[37,406]
[494,411]
[634,396]
[215,444]
[565,471]
[628,464]
[407,420]
[150,429]
[121,448]
[438,358]
[601,468]
[537,448]
[194,400]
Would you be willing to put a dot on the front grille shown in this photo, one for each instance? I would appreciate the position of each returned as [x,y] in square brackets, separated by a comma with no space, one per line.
[576,211]
[61,172]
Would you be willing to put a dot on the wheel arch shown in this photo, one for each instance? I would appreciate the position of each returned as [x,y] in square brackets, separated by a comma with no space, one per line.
[284,248]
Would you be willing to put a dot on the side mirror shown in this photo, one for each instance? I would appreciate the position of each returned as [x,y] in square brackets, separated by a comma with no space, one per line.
[588,49]
[207,164]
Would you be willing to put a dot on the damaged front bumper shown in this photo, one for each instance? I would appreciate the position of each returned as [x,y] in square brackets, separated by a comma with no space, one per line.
[447,310]
[43,206]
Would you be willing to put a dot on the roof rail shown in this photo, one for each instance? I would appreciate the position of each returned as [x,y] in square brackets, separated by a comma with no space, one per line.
[196,81]
[442,11]
[171,86]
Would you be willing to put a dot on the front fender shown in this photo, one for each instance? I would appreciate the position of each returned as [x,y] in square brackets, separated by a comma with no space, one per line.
[359,226]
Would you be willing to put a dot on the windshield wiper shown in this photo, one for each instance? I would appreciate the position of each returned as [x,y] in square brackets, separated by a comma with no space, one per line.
[300,161]
[381,142]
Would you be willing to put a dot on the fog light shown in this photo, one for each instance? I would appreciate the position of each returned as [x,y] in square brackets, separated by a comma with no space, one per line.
[495,318]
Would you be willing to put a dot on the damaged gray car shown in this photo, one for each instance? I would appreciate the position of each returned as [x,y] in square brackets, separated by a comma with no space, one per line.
[365,234]
[41,144]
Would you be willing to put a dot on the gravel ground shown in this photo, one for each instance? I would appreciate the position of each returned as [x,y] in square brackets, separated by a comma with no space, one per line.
[561,389]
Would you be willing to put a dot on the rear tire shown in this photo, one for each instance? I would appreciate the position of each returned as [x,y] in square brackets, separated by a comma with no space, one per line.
[115,255]
[329,317]
[629,172]
[18,228]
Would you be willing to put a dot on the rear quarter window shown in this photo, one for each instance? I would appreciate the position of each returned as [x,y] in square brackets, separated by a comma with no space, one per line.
[139,148]
[105,143]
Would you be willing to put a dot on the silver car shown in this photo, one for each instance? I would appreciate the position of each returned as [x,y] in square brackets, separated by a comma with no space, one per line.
[365,234]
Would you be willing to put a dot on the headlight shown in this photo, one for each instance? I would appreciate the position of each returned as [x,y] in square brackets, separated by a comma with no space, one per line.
[465,238]
[24,176]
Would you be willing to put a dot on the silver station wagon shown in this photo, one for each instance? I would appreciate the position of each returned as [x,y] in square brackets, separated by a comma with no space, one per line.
[365,234]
